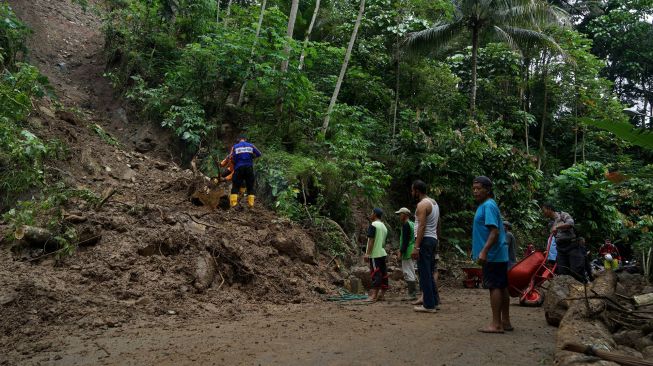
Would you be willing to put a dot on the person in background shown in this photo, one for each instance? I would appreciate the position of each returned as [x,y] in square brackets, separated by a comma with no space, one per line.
[610,255]
[375,253]
[490,250]
[427,216]
[512,244]
[570,260]
[552,256]
[242,155]
[588,266]
[406,246]
[529,250]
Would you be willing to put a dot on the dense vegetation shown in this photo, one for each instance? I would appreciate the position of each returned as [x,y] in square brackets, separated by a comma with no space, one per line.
[528,93]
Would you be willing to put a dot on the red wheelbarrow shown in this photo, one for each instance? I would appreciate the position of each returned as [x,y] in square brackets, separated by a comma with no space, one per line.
[528,274]
[474,277]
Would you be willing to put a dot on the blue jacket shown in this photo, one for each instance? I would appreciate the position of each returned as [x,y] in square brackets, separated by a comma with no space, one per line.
[243,154]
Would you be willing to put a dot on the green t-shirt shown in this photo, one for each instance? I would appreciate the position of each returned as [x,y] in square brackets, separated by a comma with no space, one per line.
[407,234]
[379,233]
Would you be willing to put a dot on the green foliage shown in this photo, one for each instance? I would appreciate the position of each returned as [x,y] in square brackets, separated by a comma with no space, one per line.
[22,153]
[584,192]
[48,211]
[104,135]
[624,131]
[12,37]
[186,71]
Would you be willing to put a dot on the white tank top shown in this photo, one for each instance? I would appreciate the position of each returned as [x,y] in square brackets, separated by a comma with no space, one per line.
[431,228]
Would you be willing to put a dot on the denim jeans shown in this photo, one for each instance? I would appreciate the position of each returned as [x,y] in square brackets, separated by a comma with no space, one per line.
[425,266]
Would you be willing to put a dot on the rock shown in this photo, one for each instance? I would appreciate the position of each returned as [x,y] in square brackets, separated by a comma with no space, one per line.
[35,122]
[128,174]
[62,67]
[144,145]
[69,117]
[121,115]
[356,285]
[396,274]
[624,350]
[627,337]
[204,272]
[47,111]
[363,274]
[8,297]
[555,303]
[160,165]
[143,301]
[647,353]
[89,235]
[295,247]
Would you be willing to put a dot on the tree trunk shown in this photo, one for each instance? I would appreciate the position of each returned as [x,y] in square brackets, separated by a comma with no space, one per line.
[228,9]
[583,142]
[576,122]
[241,96]
[396,104]
[343,69]
[472,97]
[544,113]
[308,34]
[291,29]
[217,13]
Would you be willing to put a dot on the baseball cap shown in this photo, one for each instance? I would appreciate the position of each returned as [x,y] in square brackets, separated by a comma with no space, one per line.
[403,210]
[378,212]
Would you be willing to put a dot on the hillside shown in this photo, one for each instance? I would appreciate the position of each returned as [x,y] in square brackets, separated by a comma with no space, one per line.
[153,239]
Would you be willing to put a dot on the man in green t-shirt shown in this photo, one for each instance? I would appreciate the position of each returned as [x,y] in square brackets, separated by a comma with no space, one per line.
[406,246]
[377,234]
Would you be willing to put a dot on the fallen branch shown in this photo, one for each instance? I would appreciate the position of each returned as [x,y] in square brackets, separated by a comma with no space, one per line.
[199,222]
[107,196]
[605,355]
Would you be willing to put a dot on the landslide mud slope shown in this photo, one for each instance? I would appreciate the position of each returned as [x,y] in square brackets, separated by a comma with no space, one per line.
[160,259]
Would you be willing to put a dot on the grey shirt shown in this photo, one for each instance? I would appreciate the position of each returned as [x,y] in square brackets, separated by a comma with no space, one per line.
[512,245]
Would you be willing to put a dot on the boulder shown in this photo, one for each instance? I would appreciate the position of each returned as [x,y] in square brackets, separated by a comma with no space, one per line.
[396,274]
[204,272]
[555,298]
[295,247]
[363,274]
[647,353]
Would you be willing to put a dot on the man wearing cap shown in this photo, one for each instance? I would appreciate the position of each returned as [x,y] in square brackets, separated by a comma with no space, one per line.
[571,261]
[511,241]
[375,252]
[243,154]
[490,250]
[406,245]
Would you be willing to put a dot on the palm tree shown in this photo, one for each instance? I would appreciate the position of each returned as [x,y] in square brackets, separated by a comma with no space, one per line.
[512,21]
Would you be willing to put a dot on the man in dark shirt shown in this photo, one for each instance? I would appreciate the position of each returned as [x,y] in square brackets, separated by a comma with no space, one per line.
[243,154]
[570,259]
[406,246]
[512,244]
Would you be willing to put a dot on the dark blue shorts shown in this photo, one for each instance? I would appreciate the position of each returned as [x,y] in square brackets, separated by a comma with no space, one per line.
[495,275]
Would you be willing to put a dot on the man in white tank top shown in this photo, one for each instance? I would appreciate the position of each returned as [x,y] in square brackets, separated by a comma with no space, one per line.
[427,215]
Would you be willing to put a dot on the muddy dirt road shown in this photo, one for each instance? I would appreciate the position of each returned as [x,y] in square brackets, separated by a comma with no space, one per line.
[321,334]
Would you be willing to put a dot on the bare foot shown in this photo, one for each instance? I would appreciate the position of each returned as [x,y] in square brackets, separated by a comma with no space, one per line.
[491,329]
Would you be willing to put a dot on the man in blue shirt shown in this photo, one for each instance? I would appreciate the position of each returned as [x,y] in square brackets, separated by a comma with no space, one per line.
[243,154]
[489,248]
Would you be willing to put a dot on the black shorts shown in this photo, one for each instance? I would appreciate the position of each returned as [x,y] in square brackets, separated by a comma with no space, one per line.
[379,273]
[243,176]
[495,275]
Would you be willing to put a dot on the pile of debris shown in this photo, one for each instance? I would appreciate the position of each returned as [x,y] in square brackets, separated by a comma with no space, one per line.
[607,322]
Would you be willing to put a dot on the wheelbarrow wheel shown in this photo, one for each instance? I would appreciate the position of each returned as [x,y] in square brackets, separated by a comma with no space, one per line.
[534,298]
